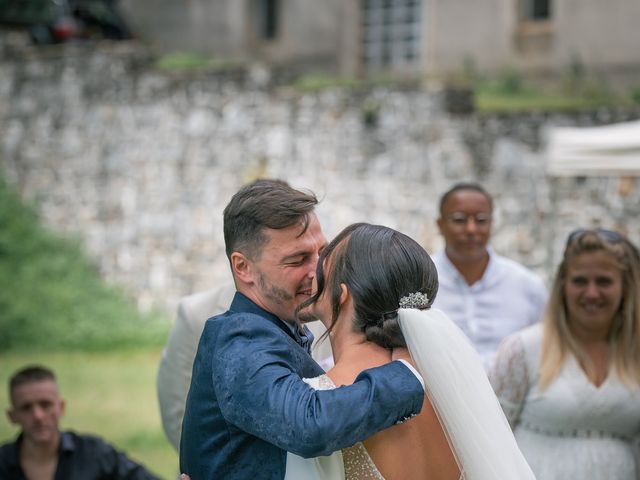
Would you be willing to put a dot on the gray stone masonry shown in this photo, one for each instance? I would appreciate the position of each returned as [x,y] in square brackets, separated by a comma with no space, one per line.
[139,163]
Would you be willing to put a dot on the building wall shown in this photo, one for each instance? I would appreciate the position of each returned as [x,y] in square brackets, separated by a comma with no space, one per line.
[466,29]
[327,35]
[308,29]
[602,35]
[206,26]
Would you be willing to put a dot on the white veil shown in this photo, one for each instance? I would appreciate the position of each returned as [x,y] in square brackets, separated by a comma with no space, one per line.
[459,390]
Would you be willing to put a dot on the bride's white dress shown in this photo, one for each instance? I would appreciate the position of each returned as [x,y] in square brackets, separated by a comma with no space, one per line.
[458,389]
[572,429]
[353,463]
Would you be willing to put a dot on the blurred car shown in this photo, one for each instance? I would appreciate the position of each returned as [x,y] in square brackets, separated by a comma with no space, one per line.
[55,21]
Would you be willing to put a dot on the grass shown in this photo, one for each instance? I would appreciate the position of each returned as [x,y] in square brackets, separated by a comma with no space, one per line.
[190,61]
[317,82]
[509,92]
[110,394]
[489,100]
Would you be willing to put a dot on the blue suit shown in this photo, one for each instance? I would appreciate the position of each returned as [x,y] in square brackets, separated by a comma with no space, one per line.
[247,405]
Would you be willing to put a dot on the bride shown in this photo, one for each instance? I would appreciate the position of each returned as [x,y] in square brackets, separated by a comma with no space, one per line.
[373,291]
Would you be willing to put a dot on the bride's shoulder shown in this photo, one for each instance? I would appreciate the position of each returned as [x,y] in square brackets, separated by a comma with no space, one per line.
[323,382]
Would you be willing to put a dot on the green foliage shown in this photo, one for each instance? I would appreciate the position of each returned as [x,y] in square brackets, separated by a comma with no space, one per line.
[510,82]
[490,101]
[470,71]
[370,111]
[576,91]
[577,71]
[52,296]
[318,82]
[189,61]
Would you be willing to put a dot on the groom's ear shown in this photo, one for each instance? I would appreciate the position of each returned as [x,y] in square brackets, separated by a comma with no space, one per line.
[241,268]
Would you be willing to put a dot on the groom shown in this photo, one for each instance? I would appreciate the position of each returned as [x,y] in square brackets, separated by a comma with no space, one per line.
[247,405]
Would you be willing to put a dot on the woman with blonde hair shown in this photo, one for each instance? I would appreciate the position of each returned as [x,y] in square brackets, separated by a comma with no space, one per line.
[570,386]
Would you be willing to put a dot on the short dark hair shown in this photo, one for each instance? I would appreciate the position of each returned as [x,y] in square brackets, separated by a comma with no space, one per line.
[29,374]
[264,203]
[462,186]
[379,265]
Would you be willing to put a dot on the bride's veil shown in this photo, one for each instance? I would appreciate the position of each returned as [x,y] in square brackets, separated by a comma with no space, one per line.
[458,388]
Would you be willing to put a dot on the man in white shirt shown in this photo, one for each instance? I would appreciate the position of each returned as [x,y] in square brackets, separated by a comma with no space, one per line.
[487,295]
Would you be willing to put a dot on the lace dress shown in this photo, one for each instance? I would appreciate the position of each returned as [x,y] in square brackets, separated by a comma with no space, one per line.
[572,429]
[353,463]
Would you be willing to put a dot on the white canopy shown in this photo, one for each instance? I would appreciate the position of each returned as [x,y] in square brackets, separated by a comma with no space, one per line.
[594,151]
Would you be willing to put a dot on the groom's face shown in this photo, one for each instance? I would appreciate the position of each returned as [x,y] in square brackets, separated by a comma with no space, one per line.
[286,267]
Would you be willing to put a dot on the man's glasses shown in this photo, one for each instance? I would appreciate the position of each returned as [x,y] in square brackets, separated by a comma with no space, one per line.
[460,219]
[609,236]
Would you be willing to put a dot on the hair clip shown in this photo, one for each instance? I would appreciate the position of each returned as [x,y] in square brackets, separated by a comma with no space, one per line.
[415,300]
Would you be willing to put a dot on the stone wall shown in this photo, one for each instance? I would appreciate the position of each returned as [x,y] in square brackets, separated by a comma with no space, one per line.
[139,164]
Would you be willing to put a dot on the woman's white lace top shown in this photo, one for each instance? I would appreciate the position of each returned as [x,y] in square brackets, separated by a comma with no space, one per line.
[572,429]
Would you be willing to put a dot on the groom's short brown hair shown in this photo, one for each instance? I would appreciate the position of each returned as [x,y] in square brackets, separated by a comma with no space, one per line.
[264,203]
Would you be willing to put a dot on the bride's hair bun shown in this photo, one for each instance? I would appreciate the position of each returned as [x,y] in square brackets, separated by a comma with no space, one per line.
[383,270]
[386,332]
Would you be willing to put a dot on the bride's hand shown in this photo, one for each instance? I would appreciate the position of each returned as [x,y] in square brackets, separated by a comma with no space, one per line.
[184,476]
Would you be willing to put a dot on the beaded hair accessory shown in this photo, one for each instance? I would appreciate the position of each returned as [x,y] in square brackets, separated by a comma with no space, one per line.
[417,300]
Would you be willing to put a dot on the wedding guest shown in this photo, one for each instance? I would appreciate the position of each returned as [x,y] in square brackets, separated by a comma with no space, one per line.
[174,372]
[570,386]
[487,295]
[43,451]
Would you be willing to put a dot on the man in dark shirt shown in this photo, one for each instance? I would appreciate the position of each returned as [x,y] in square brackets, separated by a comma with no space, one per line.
[42,451]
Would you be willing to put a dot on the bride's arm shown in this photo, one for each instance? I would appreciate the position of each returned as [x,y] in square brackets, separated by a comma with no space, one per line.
[509,377]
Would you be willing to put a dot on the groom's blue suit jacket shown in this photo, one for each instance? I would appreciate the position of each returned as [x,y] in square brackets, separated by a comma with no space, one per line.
[247,405]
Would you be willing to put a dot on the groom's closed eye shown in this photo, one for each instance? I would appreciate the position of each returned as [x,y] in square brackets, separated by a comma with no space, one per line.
[294,261]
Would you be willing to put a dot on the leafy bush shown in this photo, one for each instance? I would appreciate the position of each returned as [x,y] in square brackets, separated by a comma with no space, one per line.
[52,296]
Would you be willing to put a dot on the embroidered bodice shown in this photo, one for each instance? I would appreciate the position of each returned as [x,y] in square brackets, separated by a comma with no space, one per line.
[357,462]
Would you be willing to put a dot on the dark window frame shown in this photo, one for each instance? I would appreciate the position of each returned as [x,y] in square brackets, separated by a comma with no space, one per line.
[269,19]
[536,10]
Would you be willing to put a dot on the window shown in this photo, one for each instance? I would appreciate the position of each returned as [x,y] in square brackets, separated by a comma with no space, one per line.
[268,15]
[534,37]
[536,10]
[391,33]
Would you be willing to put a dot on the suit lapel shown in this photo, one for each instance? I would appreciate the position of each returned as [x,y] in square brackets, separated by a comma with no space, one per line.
[241,303]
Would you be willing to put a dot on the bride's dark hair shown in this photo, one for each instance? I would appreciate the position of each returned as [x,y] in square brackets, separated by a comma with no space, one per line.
[379,265]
